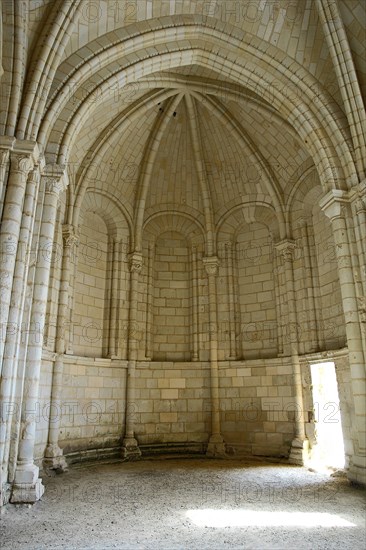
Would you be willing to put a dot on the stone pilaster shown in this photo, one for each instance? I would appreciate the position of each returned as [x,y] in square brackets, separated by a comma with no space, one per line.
[216,444]
[299,446]
[333,205]
[130,448]
[27,485]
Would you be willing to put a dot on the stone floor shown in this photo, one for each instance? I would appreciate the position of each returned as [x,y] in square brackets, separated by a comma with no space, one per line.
[196,503]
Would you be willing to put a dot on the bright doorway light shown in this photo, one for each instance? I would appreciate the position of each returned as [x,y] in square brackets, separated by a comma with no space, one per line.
[254,518]
[329,450]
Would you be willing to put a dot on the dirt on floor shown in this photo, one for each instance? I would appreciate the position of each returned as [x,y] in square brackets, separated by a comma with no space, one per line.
[193,503]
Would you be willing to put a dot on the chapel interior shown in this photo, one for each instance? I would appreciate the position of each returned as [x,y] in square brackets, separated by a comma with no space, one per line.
[183,235]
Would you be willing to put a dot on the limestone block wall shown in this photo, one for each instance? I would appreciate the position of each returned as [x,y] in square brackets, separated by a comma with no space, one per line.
[258,406]
[172,403]
[172,300]
[93,404]
[256,293]
[172,310]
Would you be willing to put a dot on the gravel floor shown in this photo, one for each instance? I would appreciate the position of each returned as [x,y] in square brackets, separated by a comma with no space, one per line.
[195,503]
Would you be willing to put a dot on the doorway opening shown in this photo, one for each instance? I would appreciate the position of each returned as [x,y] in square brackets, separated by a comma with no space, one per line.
[329,449]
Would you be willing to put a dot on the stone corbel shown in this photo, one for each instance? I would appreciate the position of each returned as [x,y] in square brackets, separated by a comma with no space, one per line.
[211,265]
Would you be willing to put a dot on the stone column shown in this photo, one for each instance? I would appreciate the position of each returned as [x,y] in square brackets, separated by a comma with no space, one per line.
[27,485]
[231,299]
[195,320]
[54,459]
[130,448]
[13,334]
[22,161]
[360,226]
[299,446]
[319,328]
[277,280]
[114,298]
[123,313]
[149,303]
[333,205]
[216,444]
[309,288]
[358,197]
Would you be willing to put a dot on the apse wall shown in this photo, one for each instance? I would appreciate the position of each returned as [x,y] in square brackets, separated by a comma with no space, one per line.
[172,406]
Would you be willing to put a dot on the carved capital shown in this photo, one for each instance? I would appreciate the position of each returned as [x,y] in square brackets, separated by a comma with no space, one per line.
[286,249]
[55,179]
[21,162]
[333,203]
[136,262]
[211,265]
[69,235]
[360,205]
[53,186]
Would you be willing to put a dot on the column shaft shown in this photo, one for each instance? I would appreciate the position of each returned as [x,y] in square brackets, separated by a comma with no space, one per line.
[21,165]
[130,449]
[286,250]
[54,458]
[231,300]
[195,323]
[216,445]
[149,304]
[27,486]
[13,334]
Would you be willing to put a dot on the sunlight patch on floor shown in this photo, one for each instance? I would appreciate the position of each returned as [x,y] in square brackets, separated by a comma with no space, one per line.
[254,518]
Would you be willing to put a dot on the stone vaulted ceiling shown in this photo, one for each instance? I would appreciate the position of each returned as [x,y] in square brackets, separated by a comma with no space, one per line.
[187,103]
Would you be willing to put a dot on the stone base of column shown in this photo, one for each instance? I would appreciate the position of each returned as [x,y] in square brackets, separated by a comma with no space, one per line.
[5,491]
[130,449]
[28,487]
[216,447]
[357,470]
[54,459]
[299,452]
